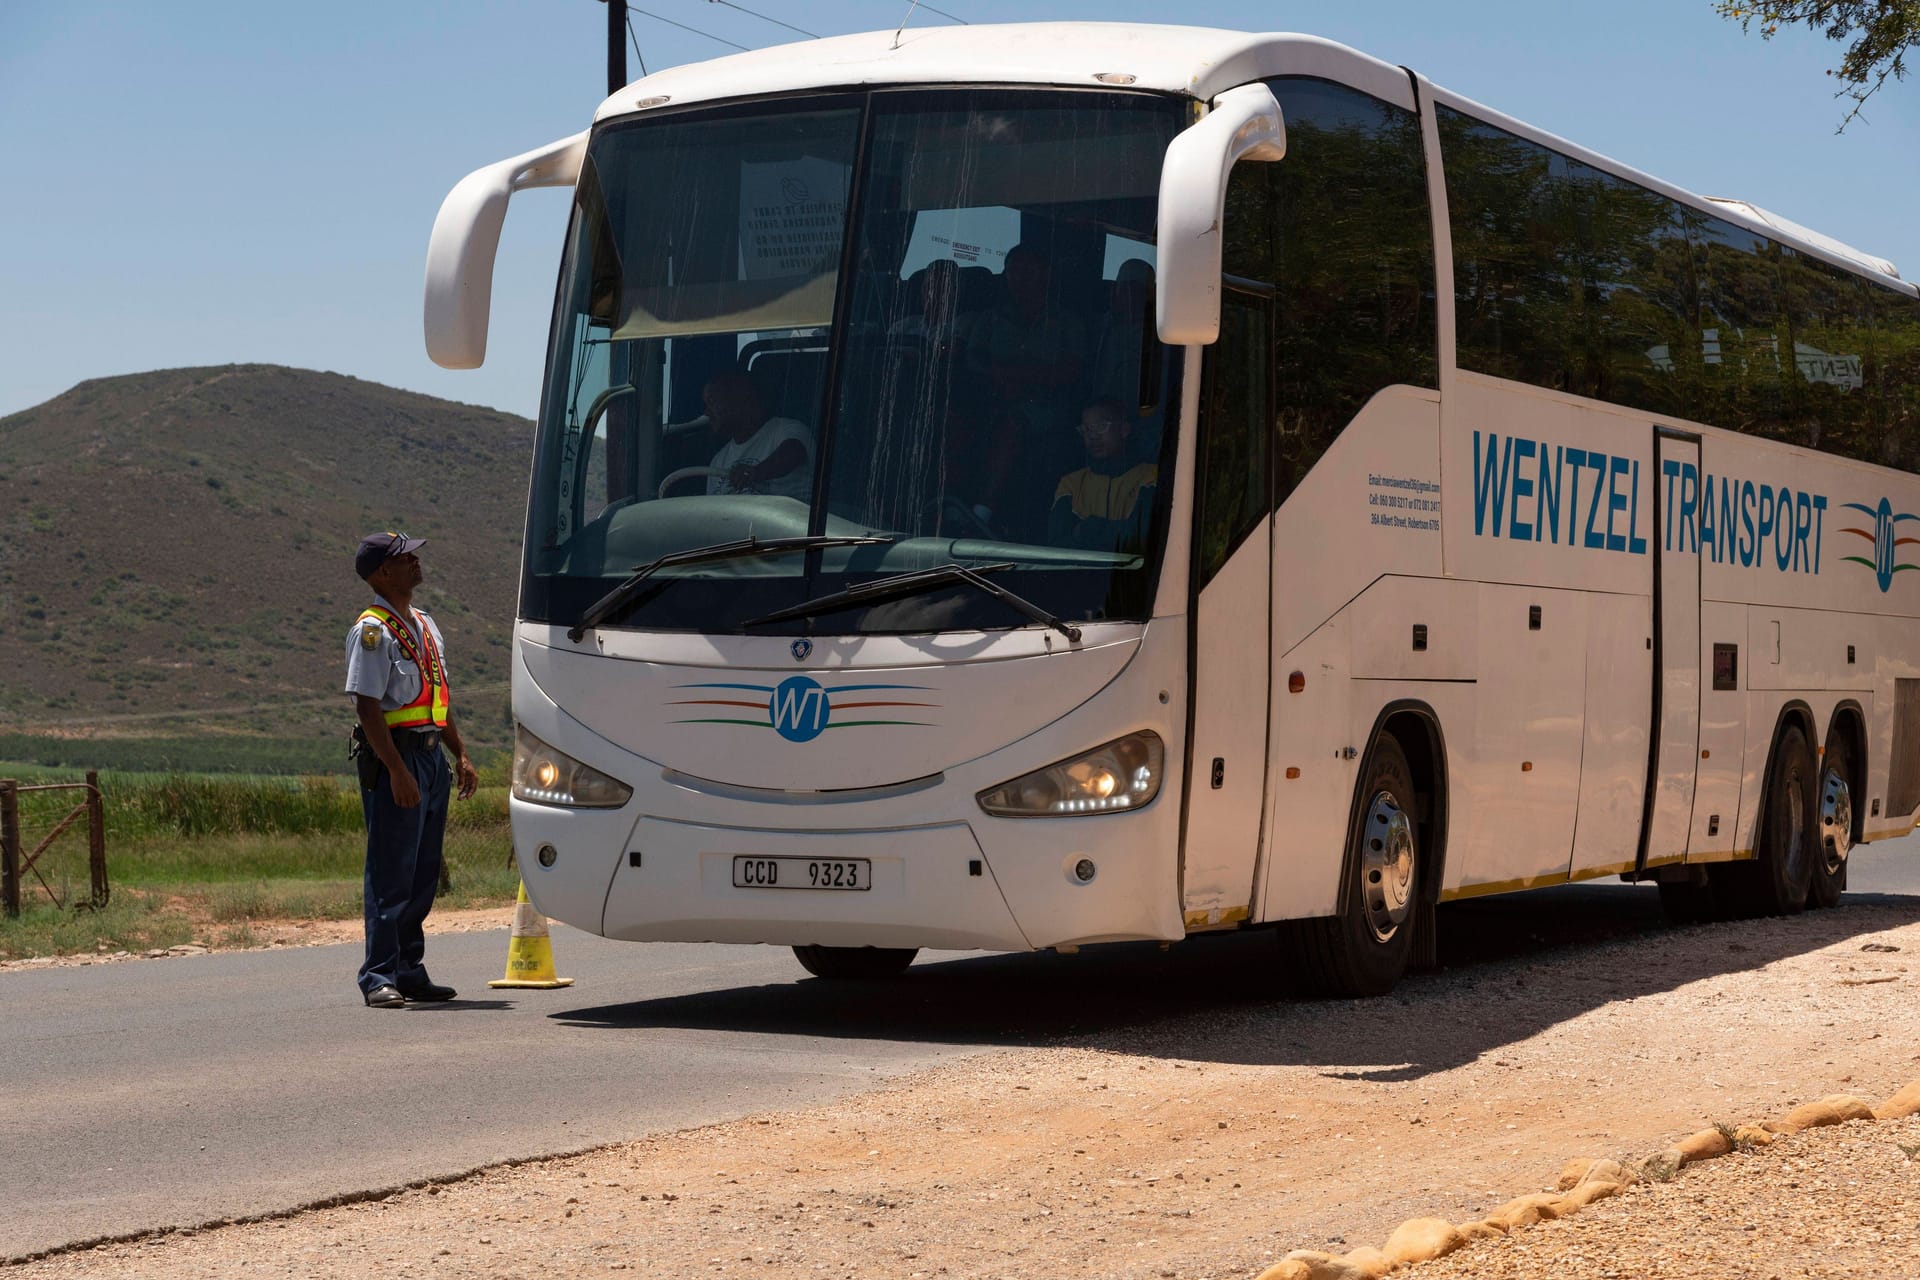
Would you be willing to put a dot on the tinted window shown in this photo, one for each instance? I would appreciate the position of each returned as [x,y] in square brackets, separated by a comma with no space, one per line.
[1893,375]
[748,344]
[1565,276]
[1341,228]
[1232,479]
[1738,366]
[979,352]
[1571,278]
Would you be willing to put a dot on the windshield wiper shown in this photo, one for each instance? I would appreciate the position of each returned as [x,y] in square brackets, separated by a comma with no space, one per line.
[906,584]
[623,595]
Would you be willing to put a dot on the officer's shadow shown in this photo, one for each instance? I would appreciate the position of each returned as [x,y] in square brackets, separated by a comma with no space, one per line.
[457,1005]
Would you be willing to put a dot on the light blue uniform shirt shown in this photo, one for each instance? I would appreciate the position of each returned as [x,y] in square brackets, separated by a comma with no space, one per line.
[383,670]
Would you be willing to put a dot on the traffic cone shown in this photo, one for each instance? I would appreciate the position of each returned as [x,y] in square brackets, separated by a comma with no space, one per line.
[529,951]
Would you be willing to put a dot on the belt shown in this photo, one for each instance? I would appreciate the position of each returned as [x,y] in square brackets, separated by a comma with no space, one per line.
[416,739]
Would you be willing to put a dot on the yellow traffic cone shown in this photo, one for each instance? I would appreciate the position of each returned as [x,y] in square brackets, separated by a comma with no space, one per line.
[529,951]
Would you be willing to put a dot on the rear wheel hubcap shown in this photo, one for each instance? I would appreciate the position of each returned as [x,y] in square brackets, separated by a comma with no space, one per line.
[1836,821]
[1387,859]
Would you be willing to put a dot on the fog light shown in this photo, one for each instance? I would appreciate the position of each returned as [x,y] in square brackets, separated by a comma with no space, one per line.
[548,855]
[1083,870]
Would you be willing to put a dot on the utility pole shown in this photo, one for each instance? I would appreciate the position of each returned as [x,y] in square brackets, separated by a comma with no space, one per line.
[616,46]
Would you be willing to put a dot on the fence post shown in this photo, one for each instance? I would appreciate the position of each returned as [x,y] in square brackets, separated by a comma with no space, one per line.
[96,842]
[10,847]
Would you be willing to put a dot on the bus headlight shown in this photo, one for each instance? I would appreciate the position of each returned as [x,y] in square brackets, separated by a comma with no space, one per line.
[545,776]
[1123,774]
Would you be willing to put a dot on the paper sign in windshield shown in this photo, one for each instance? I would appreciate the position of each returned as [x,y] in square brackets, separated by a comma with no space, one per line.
[792,214]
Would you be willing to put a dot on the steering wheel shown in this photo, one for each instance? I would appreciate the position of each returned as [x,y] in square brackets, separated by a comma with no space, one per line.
[687,473]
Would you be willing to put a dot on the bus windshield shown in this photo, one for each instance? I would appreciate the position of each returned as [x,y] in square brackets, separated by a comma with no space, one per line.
[922,317]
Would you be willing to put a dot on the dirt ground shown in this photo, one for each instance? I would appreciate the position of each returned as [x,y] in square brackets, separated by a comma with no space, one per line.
[1201,1146]
[275,933]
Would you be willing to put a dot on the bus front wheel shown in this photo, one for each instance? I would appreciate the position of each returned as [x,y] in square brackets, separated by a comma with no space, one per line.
[1364,949]
[856,963]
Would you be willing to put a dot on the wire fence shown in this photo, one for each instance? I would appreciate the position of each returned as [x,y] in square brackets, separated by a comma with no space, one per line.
[188,834]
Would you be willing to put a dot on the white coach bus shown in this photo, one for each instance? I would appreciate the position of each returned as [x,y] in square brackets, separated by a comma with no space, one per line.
[1018,487]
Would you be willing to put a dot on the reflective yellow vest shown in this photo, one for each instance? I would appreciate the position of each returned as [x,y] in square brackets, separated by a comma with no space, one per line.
[428,710]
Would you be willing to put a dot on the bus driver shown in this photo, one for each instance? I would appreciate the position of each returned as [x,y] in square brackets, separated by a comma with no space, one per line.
[758,454]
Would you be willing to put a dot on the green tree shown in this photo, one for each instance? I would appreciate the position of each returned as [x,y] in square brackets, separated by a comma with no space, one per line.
[1881,33]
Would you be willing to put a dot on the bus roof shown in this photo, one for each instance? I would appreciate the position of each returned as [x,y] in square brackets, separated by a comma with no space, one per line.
[1196,61]
[1794,231]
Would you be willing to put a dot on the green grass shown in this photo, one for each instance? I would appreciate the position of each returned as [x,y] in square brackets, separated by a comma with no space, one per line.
[213,854]
[128,924]
[144,805]
[238,754]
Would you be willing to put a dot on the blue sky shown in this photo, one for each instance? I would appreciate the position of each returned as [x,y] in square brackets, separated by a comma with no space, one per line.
[211,181]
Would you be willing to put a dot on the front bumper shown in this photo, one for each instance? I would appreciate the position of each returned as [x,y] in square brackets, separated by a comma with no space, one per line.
[945,874]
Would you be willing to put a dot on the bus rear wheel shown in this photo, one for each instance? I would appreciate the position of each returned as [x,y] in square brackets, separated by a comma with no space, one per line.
[1779,878]
[1365,949]
[855,963]
[1836,825]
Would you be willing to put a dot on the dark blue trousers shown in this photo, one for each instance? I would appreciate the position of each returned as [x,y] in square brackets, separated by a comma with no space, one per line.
[403,871]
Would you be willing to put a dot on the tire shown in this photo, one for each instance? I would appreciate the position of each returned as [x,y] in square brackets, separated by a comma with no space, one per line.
[857,964]
[1778,880]
[1834,821]
[1365,949]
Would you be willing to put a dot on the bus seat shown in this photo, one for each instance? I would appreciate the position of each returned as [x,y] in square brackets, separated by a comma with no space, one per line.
[791,382]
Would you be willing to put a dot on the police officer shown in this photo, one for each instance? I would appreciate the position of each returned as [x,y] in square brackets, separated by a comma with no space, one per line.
[397,677]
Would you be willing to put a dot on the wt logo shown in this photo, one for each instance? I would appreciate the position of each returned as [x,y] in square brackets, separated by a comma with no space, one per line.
[799,709]
[1886,541]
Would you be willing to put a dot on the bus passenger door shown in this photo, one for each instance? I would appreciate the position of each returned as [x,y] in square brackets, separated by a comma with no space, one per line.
[1676,657]
[1229,615]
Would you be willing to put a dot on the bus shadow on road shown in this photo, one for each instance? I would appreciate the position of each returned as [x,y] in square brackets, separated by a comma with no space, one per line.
[1510,967]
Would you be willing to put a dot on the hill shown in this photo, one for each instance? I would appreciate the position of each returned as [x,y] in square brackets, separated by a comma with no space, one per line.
[175,547]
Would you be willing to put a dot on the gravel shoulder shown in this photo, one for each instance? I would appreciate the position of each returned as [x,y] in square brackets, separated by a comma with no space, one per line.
[1831,1204]
[269,934]
[1213,1144]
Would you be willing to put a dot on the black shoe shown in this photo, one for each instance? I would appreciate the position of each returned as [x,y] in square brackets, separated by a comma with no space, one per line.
[429,991]
[387,997]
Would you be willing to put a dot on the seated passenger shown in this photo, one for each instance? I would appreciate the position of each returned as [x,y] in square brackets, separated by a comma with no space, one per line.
[1122,333]
[759,454]
[1030,352]
[1107,504]
[936,319]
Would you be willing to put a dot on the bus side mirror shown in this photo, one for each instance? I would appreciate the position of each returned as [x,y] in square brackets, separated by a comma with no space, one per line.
[1244,124]
[465,237]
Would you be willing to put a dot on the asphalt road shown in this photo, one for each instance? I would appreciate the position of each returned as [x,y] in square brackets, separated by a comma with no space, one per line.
[164,1093]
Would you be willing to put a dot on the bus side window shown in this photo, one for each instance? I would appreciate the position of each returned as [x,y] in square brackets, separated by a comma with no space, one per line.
[1235,427]
[1341,229]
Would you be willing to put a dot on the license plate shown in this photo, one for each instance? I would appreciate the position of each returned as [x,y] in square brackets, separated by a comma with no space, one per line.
[802,873]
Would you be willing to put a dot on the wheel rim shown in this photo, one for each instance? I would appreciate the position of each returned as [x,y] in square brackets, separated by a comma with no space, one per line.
[1387,866]
[1836,820]
[1794,850]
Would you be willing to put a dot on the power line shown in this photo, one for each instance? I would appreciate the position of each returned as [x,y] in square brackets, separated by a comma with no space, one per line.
[695,30]
[764,18]
[640,57]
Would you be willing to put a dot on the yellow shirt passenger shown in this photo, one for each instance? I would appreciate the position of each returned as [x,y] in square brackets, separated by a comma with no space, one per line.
[1107,504]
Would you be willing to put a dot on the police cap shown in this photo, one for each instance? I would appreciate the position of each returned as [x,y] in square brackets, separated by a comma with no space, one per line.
[377,548]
